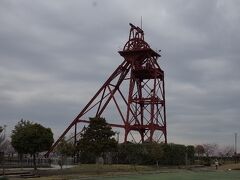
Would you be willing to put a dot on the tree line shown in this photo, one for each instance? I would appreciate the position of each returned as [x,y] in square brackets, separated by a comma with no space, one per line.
[97,141]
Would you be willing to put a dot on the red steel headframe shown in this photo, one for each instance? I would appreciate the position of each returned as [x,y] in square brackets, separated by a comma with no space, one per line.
[143,108]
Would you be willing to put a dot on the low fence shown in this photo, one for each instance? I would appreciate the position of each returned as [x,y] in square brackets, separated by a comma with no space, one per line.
[14,162]
[27,162]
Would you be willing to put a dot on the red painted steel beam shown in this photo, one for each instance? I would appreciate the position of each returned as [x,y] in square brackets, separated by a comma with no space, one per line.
[145,100]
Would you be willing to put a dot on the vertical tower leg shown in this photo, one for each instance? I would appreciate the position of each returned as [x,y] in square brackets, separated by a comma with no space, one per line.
[143,106]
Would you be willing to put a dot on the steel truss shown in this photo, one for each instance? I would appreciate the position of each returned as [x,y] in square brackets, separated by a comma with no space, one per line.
[140,107]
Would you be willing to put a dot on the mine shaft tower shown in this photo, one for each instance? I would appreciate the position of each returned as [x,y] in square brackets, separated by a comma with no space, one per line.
[141,105]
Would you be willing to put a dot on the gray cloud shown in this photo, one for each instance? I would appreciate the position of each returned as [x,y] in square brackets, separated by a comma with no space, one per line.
[54,55]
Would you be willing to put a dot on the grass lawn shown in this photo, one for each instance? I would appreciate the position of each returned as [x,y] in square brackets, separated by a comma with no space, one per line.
[129,172]
[184,175]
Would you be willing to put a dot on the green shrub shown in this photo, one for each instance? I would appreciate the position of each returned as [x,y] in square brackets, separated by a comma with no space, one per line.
[3,178]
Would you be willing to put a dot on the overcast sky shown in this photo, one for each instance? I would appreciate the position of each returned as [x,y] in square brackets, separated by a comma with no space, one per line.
[54,55]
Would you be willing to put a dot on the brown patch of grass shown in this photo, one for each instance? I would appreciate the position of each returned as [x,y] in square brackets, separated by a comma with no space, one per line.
[230,167]
[86,171]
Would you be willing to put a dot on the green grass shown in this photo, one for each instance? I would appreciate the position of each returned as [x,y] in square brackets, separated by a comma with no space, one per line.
[187,175]
[111,168]
[130,172]
[90,171]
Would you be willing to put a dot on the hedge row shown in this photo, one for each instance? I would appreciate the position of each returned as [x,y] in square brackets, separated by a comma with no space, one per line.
[147,154]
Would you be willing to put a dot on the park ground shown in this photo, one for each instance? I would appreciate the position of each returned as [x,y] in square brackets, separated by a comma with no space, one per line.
[131,172]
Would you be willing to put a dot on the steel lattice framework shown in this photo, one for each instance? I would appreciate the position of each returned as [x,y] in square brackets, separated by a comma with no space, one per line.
[140,105]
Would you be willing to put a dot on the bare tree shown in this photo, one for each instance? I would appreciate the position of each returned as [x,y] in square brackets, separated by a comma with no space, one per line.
[2,136]
[2,140]
[7,148]
[210,149]
[227,151]
[199,149]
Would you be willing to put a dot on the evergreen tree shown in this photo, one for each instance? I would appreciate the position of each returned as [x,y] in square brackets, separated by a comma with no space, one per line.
[31,138]
[97,138]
